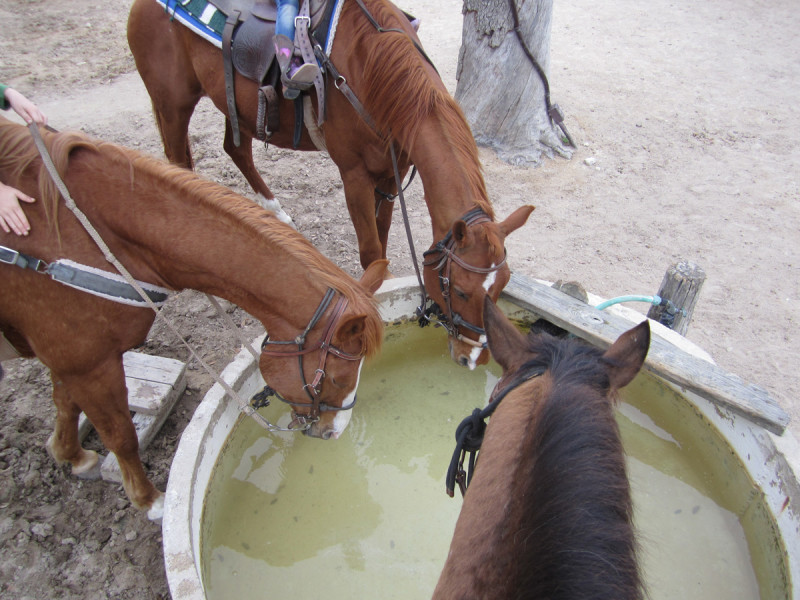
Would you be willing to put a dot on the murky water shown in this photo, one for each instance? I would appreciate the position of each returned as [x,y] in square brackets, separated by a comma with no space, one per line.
[292,517]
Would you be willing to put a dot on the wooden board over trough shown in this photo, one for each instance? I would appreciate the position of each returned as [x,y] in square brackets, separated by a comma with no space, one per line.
[602,328]
[154,385]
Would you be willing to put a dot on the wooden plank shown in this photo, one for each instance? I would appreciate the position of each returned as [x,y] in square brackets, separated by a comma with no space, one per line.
[154,385]
[150,377]
[602,328]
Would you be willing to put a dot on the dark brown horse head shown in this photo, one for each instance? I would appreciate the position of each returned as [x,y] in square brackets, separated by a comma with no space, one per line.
[460,277]
[551,456]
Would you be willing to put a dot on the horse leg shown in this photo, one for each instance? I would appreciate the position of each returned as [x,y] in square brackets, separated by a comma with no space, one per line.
[64,445]
[384,211]
[173,126]
[359,193]
[168,74]
[242,157]
[103,397]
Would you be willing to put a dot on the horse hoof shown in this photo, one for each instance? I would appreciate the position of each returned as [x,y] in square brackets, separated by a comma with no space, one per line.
[88,467]
[156,511]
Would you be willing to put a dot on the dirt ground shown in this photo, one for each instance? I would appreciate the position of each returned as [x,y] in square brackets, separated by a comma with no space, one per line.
[687,126]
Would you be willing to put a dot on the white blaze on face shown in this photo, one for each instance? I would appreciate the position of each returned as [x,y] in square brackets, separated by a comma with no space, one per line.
[342,418]
[490,278]
[475,353]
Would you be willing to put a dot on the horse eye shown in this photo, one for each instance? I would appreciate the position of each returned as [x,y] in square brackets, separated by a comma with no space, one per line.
[461,294]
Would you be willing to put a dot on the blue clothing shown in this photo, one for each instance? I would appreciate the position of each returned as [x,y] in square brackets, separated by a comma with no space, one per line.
[287,11]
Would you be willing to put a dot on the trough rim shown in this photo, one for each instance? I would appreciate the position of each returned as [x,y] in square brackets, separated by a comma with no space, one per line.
[777,456]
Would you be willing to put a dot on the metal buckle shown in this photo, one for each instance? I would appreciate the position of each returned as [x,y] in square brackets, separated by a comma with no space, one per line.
[300,18]
[8,251]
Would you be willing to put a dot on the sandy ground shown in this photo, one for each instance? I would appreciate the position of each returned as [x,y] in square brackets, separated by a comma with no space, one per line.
[686,122]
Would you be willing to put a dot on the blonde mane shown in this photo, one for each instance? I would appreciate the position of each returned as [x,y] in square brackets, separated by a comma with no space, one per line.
[401,93]
[19,156]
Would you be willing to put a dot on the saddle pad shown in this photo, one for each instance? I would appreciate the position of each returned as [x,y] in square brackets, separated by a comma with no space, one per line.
[200,16]
[207,21]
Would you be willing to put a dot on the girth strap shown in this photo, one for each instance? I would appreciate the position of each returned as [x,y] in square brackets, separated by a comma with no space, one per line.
[227,66]
[87,279]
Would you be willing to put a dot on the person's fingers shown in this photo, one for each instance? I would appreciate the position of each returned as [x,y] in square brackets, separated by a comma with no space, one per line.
[12,223]
[24,197]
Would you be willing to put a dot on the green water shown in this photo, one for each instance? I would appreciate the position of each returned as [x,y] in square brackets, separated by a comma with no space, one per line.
[291,517]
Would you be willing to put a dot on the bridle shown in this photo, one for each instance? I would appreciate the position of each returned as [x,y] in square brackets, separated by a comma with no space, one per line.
[440,258]
[323,345]
[469,433]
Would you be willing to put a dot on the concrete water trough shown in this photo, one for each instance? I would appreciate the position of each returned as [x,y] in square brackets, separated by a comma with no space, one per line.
[713,472]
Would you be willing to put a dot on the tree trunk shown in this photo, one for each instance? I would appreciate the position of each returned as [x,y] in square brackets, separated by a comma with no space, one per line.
[499,89]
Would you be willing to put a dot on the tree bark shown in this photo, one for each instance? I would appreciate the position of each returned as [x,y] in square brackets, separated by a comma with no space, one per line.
[498,88]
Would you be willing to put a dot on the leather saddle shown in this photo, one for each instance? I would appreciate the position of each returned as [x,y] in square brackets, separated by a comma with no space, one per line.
[248,47]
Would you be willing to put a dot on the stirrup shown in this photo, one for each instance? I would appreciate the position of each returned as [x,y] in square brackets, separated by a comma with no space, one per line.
[304,74]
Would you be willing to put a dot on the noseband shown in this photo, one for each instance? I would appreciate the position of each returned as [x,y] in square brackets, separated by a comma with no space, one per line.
[325,348]
[440,258]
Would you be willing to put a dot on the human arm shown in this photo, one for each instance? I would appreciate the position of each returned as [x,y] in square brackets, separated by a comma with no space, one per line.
[23,107]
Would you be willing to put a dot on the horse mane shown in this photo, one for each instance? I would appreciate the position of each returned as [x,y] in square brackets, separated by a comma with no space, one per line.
[392,62]
[18,154]
[578,536]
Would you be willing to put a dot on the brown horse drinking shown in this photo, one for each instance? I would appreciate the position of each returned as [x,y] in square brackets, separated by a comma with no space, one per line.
[548,512]
[175,231]
[405,97]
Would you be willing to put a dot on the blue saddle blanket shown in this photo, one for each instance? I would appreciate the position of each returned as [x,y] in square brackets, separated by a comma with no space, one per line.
[207,21]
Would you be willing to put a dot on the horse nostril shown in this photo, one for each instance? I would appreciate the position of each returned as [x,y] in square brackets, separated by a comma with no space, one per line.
[327,434]
[463,361]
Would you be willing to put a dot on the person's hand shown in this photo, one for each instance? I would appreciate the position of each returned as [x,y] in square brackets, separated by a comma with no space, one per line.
[24,107]
[12,217]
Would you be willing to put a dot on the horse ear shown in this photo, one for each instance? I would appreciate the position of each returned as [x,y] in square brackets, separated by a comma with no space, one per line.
[460,232]
[507,345]
[374,275]
[350,329]
[516,219]
[626,356]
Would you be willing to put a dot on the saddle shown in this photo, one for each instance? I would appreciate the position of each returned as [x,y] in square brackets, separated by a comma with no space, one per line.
[248,47]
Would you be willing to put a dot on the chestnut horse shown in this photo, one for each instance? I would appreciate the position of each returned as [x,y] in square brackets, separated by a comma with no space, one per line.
[173,230]
[404,96]
[548,512]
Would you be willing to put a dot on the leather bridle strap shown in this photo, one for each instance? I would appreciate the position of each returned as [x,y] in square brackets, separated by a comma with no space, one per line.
[323,345]
[442,256]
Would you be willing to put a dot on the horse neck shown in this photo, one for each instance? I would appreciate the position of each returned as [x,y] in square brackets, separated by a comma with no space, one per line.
[446,157]
[475,565]
[549,506]
[170,236]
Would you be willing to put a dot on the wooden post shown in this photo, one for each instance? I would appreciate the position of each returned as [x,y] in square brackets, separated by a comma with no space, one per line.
[679,291]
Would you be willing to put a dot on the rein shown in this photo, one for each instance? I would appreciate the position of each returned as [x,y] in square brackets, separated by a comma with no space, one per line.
[469,433]
[553,110]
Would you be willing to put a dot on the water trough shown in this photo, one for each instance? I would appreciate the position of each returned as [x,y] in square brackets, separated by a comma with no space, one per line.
[741,483]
